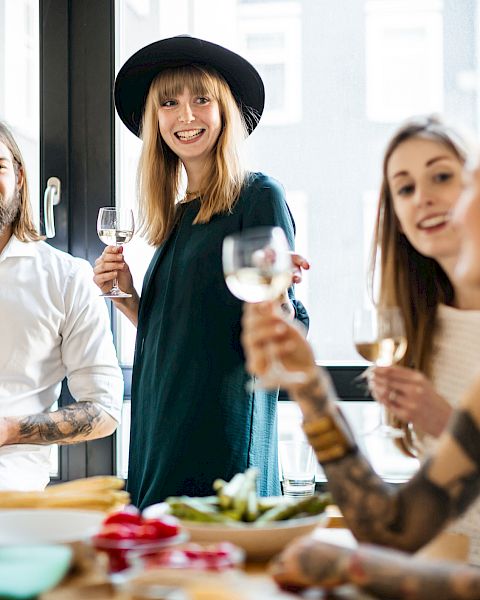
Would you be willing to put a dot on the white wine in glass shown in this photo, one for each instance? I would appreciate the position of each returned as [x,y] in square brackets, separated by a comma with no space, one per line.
[258,267]
[115,227]
[379,336]
[385,352]
[258,285]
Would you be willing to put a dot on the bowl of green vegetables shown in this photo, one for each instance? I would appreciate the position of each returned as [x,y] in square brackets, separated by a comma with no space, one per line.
[261,526]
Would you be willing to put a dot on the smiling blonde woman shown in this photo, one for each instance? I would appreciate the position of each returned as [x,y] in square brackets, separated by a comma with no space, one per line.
[193,103]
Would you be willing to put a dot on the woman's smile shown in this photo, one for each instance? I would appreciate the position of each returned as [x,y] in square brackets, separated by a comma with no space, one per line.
[188,136]
[434,223]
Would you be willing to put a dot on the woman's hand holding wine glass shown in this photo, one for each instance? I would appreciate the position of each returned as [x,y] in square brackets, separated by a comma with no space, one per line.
[111,273]
[258,267]
[379,337]
[115,227]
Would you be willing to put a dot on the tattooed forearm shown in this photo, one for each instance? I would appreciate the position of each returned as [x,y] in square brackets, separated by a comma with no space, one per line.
[316,396]
[68,425]
[379,513]
[375,511]
[287,309]
[386,573]
[461,477]
[390,574]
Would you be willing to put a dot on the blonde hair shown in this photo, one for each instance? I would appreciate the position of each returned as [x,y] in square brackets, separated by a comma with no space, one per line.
[408,279]
[160,169]
[23,227]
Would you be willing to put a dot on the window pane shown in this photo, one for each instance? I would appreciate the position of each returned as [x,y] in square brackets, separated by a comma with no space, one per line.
[330,108]
[20,98]
[339,78]
[19,84]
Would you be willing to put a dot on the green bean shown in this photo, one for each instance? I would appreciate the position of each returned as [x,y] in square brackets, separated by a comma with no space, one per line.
[312,505]
[193,509]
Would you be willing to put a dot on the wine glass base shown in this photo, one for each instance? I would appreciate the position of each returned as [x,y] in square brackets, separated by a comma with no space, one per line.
[274,382]
[385,431]
[390,432]
[115,294]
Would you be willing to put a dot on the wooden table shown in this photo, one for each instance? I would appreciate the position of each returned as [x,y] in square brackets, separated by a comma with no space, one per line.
[253,583]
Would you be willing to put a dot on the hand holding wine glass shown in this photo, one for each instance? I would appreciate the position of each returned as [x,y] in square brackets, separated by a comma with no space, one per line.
[379,337]
[258,267]
[115,227]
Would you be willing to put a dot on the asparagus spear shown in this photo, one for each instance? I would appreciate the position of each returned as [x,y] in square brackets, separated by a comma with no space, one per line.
[247,487]
[218,485]
[230,490]
[252,511]
[266,503]
[312,505]
[193,509]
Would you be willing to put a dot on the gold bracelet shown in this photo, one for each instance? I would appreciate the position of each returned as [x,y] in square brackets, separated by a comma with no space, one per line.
[330,437]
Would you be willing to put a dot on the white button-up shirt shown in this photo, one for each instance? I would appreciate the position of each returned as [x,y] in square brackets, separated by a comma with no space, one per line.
[53,324]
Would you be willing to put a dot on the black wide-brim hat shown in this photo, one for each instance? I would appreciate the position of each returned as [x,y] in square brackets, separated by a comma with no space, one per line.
[135,77]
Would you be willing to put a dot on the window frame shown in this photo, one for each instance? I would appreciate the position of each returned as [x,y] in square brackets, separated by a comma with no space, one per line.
[77,144]
[77,141]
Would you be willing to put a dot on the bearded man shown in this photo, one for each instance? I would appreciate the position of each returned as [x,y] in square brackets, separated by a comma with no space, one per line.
[53,325]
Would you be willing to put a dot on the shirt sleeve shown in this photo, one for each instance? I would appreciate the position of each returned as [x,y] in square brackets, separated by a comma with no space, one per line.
[267,206]
[88,352]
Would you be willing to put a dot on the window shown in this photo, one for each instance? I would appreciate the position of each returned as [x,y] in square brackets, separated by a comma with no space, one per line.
[339,77]
[404,58]
[270,35]
[19,82]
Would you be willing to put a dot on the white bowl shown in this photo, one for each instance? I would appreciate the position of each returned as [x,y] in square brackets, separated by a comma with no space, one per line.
[259,542]
[45,526]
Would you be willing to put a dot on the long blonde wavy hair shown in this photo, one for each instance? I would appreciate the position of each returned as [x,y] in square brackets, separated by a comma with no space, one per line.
[408,279]
[159,173]
[23,227]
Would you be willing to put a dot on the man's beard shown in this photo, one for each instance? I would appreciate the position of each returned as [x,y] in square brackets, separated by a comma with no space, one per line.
[9,209]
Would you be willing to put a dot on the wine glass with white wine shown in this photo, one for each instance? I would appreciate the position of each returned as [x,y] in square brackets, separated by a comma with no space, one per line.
[115,227]
[379,337]
[258,267]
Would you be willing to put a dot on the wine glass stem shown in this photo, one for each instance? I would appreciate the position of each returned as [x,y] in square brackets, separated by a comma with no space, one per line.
[383,416]
[115,279]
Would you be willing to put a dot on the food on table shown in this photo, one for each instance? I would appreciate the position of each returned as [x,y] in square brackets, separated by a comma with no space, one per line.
[237,501]
[126,531]
[102,493]
[210,557]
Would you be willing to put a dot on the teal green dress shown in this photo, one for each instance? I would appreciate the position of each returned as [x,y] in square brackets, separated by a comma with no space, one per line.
[192,418]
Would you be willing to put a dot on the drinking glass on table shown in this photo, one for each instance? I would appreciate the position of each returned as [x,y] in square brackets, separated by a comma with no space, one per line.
[115,227]
[298,464]
[379,337]
[258,267]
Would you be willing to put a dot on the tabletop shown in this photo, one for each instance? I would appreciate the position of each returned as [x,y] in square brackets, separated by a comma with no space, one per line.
[251,583]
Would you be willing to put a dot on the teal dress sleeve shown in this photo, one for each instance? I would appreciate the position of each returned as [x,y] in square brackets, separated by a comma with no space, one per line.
[267,206]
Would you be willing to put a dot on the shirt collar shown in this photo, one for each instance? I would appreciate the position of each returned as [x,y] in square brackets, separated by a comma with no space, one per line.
[15,248]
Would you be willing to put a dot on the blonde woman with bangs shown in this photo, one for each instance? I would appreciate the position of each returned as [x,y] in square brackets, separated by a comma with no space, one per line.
[193,103]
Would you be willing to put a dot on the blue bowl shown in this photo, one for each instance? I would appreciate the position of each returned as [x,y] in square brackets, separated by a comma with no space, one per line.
[27,571]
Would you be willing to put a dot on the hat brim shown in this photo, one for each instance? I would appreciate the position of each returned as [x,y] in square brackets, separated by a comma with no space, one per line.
[135,77]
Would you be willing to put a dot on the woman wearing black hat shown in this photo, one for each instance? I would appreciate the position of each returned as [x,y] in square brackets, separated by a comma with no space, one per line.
[193,103]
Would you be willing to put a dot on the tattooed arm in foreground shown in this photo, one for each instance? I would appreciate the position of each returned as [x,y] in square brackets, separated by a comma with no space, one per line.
[385,573]
[406,517]
[75,423]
